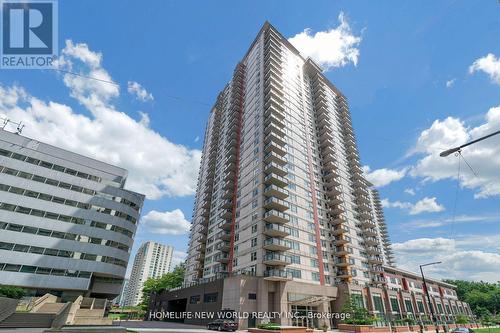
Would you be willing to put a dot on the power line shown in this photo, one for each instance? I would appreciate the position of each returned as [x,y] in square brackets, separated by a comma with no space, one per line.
[177,98]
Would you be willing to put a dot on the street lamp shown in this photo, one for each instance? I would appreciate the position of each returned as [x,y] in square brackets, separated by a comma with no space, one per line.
[459,148]
[434,318]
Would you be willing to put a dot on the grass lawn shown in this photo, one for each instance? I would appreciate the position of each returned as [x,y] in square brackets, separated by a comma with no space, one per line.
[487,330]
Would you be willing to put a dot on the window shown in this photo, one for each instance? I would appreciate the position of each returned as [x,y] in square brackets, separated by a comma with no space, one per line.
[252,296]
[315,276]
[394,304]
[420,306]
[195,299]
[210,298]
[253,256]
[377,302]
[357,299]
[408,305]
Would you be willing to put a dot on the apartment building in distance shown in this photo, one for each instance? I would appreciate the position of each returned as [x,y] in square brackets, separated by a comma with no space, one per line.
[284,219]
[152,260]
[67,223]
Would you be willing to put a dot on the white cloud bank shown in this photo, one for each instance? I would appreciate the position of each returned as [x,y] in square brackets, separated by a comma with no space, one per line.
[459,260]
[166,223]
[488,64]
[484,157]
[157,167]
[383,177]
[140,93]
[426,205]
[331,48]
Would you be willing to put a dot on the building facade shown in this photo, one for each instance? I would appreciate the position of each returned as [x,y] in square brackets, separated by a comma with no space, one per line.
[152,260]
[67,223]
[282,205]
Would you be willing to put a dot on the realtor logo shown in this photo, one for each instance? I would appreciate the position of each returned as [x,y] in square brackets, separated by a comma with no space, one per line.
[29,34]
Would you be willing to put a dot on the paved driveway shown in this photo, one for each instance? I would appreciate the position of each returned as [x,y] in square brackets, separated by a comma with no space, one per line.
[160,326]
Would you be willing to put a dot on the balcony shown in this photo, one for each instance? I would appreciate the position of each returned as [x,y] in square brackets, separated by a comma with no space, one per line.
[275,203]
[276,244]
[340,241]
[272,119]
[226,214]
[334,200]
[337,210]
[339,231]
[271,128]
[275,168]
[276,230]
[224,258]
[224,235]
[276,259]
[370,232]
[343,273]
[272,147]
[337,221]
[274,137]
[223,246]
[225,225]
[341,263]
[277,275]
[275,191]
[370,241]
[373,250]
[375,260]
[275,180]
[333,190]
[275,216]
[274,94]
[341,251]
[276,158]
[332,182]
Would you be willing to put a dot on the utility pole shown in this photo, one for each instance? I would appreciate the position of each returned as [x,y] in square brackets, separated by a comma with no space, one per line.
[431,308]
[459,148]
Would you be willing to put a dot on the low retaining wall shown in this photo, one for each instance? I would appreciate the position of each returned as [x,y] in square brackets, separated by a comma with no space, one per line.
[399,329]
[286,329]
[7,307]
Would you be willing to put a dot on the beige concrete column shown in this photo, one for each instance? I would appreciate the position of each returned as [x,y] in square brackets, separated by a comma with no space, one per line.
[324,307]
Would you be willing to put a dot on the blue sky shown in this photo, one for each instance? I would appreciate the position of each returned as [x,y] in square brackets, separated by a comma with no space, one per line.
[419,76]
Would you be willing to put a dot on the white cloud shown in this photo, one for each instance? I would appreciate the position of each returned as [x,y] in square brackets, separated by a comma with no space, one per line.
[166,223]
[443,221]
[178,257]
[329,49]
[459,261]
[488,64]
[450,83]
[140,93]
[410,191]
[383,177]
[426,205]
[484,156]
[157,167]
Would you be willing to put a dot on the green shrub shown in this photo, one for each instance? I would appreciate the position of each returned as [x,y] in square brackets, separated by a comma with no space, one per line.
[461,319]
[269,326]
[12,292]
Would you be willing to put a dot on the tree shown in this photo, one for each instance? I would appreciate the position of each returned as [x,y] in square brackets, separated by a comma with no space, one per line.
[358,315]
[461,319]
[480,296]
[168,281]
[12,292]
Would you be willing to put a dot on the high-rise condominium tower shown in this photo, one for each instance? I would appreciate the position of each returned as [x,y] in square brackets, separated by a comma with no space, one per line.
[284,220]
[67,223]
[281,193]
[152,260]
